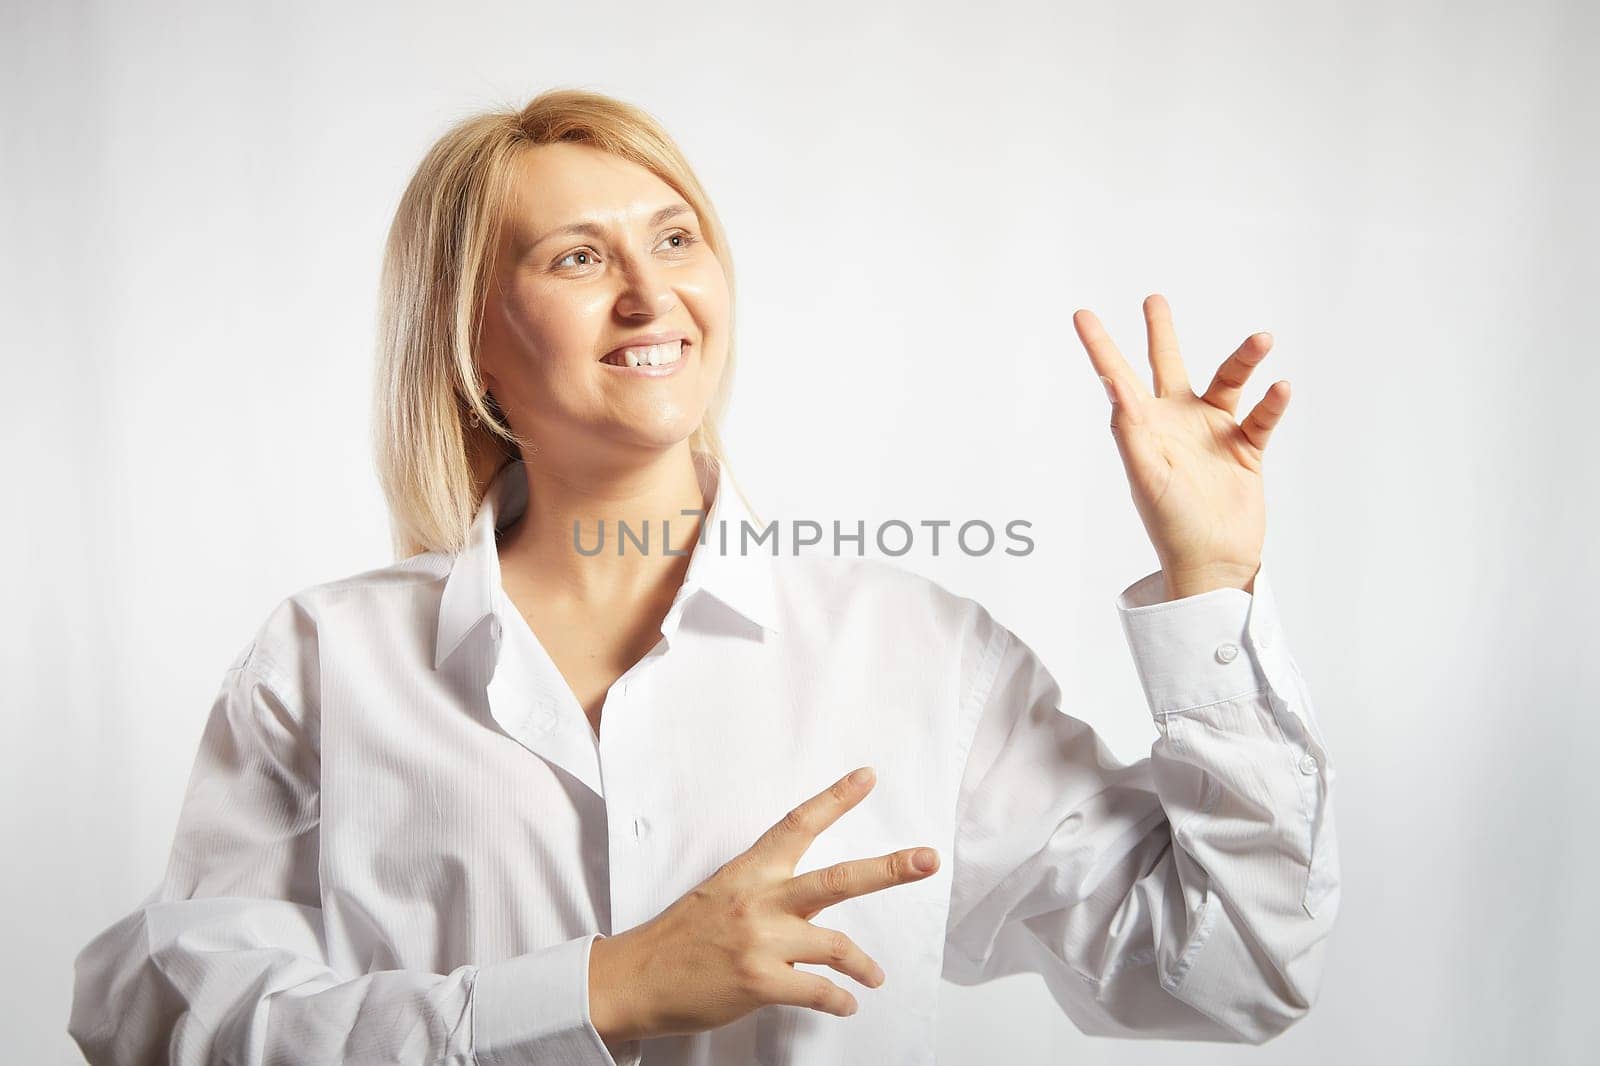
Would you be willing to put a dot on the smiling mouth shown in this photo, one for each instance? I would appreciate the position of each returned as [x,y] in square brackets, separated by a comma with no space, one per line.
[648,355]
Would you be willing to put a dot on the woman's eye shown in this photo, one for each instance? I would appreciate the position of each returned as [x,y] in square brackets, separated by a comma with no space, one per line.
[684,236]
[575,252]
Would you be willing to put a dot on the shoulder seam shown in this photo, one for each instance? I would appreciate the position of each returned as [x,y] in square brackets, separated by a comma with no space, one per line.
[271,675]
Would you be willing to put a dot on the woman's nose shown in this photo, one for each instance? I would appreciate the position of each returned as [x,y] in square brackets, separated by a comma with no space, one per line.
[645,289]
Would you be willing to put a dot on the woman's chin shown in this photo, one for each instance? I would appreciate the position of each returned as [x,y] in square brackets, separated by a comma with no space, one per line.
[662,436]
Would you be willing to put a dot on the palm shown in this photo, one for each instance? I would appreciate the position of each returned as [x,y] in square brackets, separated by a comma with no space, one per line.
[1194,472]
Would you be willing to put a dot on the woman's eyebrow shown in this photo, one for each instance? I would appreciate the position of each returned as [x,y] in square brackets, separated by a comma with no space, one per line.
[593,229]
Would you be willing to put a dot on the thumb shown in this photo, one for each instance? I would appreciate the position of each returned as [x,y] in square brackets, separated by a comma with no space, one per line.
[1128,429]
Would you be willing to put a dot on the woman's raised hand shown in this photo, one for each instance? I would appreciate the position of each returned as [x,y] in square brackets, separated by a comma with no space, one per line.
[729,945]
[1195,472]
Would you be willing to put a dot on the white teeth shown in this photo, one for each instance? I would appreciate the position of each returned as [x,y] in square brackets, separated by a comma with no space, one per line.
[654,355]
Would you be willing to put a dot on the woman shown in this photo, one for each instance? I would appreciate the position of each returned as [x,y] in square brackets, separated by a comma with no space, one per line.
[510,800]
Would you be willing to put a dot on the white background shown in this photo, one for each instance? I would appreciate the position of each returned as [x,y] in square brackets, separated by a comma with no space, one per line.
[919,196]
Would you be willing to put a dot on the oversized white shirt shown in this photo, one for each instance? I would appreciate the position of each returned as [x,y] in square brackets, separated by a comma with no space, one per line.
[401,834]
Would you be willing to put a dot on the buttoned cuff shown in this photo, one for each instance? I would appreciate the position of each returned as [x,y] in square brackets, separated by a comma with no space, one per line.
[535,1008]
[1202,649]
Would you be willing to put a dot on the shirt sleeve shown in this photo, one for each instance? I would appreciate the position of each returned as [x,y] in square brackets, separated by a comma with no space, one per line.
[1188,895]
[227,961]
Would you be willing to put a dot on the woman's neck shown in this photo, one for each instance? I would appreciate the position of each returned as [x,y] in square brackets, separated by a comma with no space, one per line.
[540,551]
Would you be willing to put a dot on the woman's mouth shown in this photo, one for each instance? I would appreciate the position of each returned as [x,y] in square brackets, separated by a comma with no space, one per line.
[654,360]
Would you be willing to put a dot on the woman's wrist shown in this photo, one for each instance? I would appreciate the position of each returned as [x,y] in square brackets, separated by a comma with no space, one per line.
[612,1010]
[1181,583]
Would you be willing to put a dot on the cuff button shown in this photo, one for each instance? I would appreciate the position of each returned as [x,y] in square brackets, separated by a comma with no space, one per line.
[1226,653]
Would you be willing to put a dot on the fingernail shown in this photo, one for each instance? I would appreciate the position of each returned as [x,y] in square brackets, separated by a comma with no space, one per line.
[1107,383]
[861,776]
[923,859]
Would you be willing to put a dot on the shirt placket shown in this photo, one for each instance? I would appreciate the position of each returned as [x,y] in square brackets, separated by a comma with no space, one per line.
[625,773]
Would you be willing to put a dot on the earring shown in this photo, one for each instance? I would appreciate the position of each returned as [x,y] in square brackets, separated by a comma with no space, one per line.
[473,419]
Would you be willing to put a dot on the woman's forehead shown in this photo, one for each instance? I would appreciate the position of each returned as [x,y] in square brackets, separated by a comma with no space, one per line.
[565,183]
[559,185]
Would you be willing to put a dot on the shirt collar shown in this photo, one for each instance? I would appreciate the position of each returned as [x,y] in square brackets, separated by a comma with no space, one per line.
[740,581]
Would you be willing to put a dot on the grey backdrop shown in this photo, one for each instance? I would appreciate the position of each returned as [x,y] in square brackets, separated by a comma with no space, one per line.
[194,200]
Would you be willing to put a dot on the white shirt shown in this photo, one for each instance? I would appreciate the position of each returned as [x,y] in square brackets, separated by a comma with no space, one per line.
[401,833]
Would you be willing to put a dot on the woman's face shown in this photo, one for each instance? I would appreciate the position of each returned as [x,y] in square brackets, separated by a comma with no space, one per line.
[561,300]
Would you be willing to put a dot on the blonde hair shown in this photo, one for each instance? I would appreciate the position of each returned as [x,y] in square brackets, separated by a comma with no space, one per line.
[433,462]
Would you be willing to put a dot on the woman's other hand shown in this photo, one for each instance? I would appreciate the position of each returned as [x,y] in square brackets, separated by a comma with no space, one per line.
[729,945]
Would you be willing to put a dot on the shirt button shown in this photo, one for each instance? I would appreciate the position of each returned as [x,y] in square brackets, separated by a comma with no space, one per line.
[1308,763]
[1226,653]
[640,828]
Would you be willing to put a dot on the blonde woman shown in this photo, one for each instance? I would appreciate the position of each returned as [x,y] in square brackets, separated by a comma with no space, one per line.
[512,800]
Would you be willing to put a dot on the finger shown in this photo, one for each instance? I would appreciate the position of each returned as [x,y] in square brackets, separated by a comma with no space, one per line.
[1225,387]
[1108,361]
[830,947]
[1264,416]
[810,892]
[1134,444]
[1165,363]
[801,988]
[789,838]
